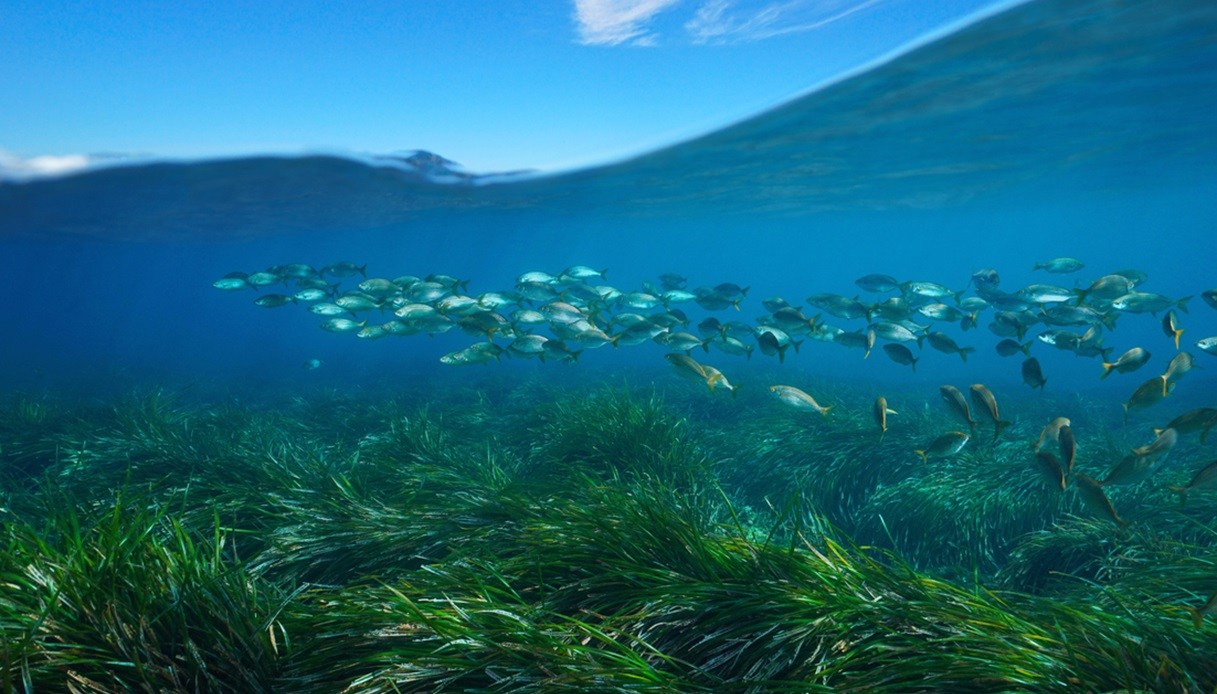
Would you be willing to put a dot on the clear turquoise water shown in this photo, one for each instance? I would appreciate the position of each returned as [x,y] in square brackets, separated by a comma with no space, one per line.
[1054,129]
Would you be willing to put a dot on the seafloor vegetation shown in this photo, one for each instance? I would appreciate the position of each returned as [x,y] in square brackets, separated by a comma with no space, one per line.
[606,539]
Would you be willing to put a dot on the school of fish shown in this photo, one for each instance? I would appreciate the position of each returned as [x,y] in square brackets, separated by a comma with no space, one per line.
[556,317]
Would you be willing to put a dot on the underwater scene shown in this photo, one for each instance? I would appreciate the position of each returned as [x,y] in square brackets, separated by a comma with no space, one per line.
[908,384]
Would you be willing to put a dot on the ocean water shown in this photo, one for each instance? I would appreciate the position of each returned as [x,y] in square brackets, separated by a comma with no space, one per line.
[1053,129]
[1078,128]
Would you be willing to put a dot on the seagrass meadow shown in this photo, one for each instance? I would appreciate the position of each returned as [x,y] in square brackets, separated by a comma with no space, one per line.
[780,407]
[583,534]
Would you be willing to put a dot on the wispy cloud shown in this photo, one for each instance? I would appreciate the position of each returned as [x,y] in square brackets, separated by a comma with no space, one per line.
[16,168]
[613,22]
[726,21]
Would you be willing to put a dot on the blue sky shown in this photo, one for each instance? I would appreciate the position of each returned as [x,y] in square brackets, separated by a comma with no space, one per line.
[493,85]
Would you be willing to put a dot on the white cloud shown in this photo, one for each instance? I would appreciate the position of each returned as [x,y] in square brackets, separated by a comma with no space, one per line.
[14,167]
[613,22]
[722,21]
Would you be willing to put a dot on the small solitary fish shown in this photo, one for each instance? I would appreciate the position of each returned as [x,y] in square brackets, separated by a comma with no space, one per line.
[943,343]
[1106,288]
[798,399]
[1008,348]
[1096,500]
[1146,302]
[944,446]
[1170,326]
[1201,419]
[1069,447]
[901,355]
[1131,360]
[1198,613]
[877,283]
[687,366]
[1206,478]
[880,411]
[345,269]
[1148,393]
[1131,469]
[958,405]
[232,282]
[1163,444]
[1180,365]
[312,365]
[1059,266]
[1033,375]
[987,403]
[1051,432]
[1051,469]
[342,325]
[1210,297]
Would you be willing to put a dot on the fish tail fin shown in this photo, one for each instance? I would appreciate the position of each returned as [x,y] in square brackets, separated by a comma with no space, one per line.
[1107,368]
[882,433]
[1109,320]
[797,344]
[1082,294]
[705,345]
[963,353]
[614,340]
[363,269]
[781,353]
[998,427]
[749,353]
[604,274]
[744,291]
[574,356]
[1182,492]
[924,457]
[920,339]
[1021,332]
[1182,303]
[824,410]
[1178,333]
[1036,267]
[914,364]
[1025,348]
[959,295]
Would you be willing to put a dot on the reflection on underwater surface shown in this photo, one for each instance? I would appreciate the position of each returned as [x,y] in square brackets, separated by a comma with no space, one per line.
[312,511]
